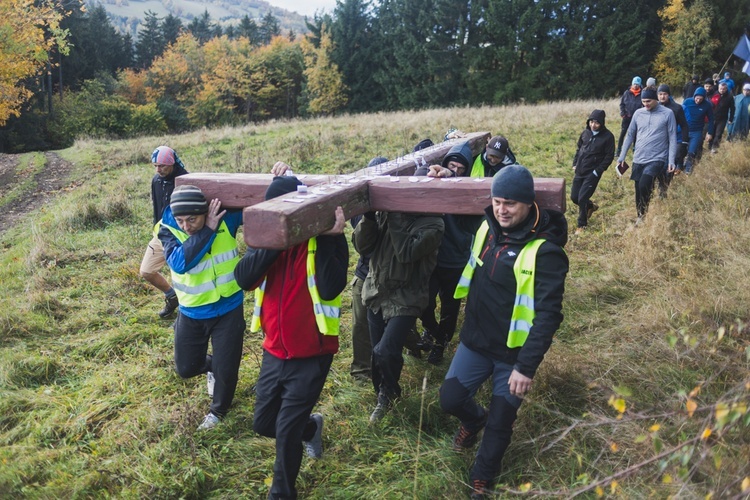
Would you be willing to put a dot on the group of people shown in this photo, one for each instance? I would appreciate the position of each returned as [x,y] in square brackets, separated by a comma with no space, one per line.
[669,137]
[509,265]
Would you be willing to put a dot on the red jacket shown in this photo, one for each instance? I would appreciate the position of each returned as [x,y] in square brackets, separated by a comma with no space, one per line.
[287,315]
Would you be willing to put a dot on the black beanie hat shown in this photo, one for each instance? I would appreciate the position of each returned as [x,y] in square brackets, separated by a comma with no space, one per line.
[188,200]
[377,161]
[514,182]
[423,144]
[281,185]
[648,93]
[664,88]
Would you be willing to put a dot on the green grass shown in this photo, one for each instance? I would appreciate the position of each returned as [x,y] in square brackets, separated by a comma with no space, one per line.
[90,406]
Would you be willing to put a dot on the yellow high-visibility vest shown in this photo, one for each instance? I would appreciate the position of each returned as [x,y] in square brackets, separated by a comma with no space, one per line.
[477,169]
[327,312]
[524,269]
[213,277]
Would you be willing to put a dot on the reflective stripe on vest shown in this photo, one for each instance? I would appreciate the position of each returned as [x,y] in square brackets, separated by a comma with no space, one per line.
[477,170]
[213,277]
[327,312]
[524,269]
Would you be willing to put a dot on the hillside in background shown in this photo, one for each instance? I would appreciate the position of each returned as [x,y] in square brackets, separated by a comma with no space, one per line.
[643,394]
[126,15]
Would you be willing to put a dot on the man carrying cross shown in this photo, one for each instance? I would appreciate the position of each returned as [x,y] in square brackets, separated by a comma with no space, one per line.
[514,281]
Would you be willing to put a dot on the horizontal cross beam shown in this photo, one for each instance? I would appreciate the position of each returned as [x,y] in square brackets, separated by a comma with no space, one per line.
[293,218]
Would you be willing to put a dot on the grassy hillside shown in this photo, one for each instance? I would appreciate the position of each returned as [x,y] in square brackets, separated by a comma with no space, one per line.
[643,393]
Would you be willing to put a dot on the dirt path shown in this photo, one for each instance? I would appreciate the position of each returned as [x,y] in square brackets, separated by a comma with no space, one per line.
[47,183]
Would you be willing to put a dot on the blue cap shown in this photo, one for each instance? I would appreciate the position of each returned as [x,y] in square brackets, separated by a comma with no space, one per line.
[637,81]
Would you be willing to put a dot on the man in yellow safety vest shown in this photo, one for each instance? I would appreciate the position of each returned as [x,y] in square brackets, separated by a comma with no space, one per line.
[514,283]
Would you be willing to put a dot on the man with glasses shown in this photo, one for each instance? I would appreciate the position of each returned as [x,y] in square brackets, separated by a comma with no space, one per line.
[656,129]
[168,167]
[200,247]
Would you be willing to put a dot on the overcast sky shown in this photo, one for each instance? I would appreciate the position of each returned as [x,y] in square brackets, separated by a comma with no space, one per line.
[305,7]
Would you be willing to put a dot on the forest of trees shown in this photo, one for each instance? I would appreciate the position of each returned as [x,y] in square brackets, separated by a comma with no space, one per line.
[362,57]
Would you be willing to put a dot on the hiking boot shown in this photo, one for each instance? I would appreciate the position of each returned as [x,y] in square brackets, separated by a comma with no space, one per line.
[592,208]
[170,304]
[426,341]
[384,406]
[436,354]
[210,382]
[465,438]
[209,422]
[314,447]
[481,489]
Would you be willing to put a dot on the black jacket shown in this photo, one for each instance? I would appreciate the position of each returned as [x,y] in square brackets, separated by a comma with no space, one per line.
[594,151]
[493,290]
[724,109]
[679,116]
[161,190]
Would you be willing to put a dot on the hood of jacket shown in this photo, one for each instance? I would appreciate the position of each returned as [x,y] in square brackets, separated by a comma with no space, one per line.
[460,153]
[598,115]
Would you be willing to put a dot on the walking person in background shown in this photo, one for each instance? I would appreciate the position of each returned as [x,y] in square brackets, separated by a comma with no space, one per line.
[168,167]
[656,129]
[689,89]
[698,112]
[683,137]
[629,103]
[594,153]
[741,125]
[723,115]
[200,246]
[514,283]
[298,307]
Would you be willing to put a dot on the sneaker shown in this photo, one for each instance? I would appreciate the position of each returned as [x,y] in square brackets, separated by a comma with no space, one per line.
[384,405]
[580,230]
[210,382]
[314,447]
[209,422]
[592,208]
[639,220]
[713,151]
[481,489]
[436,354]
[170,304]
[466,438]
[426,341]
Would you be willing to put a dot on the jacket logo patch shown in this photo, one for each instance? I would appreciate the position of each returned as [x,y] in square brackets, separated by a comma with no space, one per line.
[512,253]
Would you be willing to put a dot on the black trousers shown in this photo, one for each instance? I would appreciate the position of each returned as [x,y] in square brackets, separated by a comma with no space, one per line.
[443,283]
[581,191]
[719,126]
[623,132]
[388,338]
[361,348]
[285,395]
[226,333]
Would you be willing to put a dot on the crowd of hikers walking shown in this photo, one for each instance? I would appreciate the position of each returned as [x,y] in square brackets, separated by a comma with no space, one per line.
[508,265]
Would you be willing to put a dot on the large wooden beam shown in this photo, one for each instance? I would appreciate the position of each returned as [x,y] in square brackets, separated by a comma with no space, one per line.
[293,218]
[245,190]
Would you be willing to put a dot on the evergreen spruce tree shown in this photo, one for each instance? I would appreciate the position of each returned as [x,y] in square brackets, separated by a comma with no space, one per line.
[150,43]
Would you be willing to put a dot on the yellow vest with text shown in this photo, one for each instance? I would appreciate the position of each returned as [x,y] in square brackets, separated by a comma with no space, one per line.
[213,277]
[327,312]
[524,270]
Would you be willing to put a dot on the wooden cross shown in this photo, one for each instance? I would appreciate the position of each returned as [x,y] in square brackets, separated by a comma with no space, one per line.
[295,217]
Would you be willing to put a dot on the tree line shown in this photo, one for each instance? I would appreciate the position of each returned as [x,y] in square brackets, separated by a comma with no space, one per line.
[363,57]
